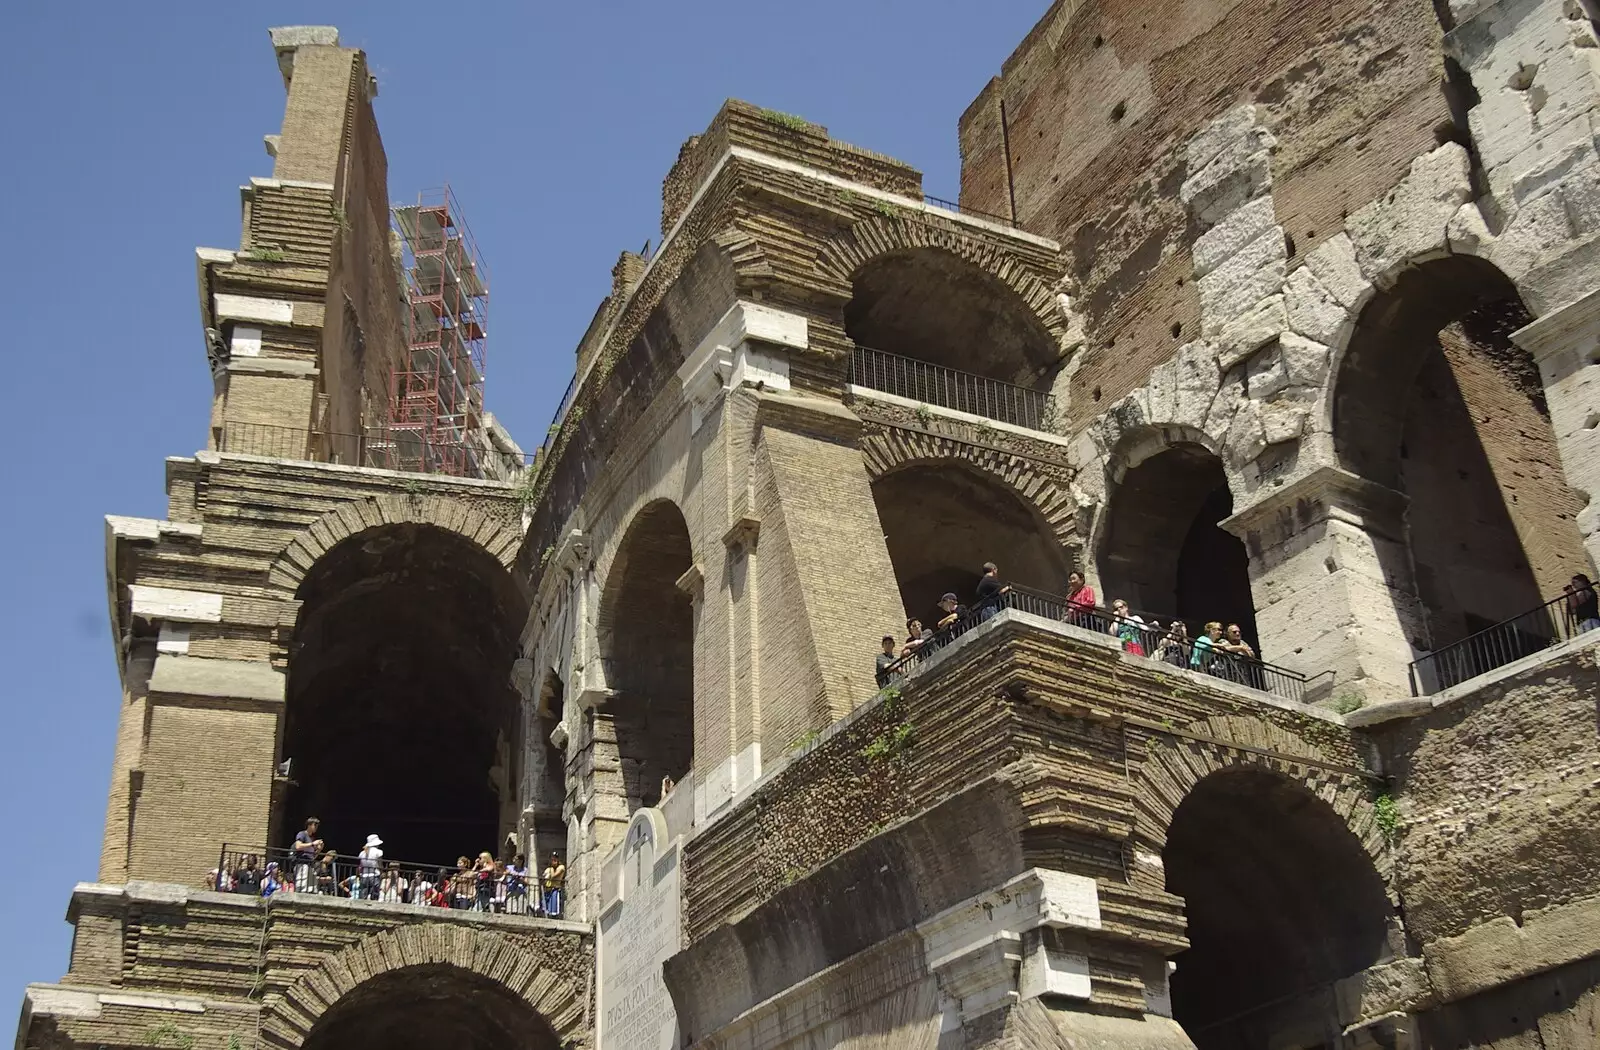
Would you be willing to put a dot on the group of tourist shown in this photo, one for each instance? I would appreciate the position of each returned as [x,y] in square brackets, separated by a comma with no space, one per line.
[1220,650]
[484,884]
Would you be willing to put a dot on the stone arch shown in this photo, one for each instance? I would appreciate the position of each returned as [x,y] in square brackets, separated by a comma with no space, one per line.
[846,254]
[509,961]
[1156,541]
[499,538]
[888,449]
[1175,765]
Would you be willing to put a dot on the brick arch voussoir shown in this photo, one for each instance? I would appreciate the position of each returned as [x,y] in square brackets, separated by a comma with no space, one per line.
[894,448]
[498,539]
[1177,764]
[844,255]
[291,1017]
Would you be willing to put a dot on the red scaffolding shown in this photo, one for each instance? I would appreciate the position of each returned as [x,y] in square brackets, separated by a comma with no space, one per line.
[435,420]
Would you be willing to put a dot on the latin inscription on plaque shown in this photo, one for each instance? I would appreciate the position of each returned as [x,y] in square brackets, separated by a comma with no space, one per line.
[637,934]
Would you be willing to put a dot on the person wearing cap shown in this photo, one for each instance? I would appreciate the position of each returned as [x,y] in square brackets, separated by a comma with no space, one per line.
[950,610]
[369,866]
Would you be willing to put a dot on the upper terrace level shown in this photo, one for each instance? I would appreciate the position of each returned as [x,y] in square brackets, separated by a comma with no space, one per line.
[860,271]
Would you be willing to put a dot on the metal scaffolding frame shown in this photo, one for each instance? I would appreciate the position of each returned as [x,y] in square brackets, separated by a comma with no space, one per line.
[435,422]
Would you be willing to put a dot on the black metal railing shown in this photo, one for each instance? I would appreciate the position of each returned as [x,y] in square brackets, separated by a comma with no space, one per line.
[949,388]
[501,890]
[960,209]
[1510,640]
[1141,634]
[391,448]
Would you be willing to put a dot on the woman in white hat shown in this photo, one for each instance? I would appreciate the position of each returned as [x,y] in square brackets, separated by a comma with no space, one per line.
[370,863]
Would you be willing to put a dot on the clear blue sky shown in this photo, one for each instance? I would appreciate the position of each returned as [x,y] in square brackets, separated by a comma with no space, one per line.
[128,127]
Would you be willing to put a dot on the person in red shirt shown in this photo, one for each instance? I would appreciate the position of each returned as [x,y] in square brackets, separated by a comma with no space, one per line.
[1080,601]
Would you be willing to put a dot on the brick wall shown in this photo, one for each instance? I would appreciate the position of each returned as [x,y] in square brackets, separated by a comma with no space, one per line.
[1102,95]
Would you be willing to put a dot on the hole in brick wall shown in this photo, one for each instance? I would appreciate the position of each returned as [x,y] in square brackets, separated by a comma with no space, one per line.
[1099,41]
[1311,235]
[1594,354]
[1096,394]
[646,632]
[1177,330]
[1591,421]
[1119,111]
[398,623]
[1288,243]
[1329,564]
[1238,837]
[940,522]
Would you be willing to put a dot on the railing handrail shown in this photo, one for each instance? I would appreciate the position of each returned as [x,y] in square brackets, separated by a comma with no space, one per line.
[1005,384]
[1562,628]
[961,209]
[1061,608]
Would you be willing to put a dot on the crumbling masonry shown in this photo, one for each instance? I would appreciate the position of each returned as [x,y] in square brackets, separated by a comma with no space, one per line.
[1281,314]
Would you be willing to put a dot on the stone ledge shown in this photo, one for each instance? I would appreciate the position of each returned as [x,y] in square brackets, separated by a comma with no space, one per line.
[1500,952]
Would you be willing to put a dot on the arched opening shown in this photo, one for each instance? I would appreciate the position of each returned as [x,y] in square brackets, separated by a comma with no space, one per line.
[430,1006]
[942,521]
[1162,549]
[646,631]
[1434,400]
[401,719]
[931,305]
[1281,902]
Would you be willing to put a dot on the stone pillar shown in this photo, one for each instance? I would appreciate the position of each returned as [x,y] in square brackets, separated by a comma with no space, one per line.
[1566,345]
[1330,571]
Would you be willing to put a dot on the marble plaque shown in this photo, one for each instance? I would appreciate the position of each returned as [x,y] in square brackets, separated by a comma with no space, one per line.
[639,932]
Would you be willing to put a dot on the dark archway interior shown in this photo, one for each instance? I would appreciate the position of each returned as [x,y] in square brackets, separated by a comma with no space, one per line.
[1281,900]
[1163,551]
[942,522]
[1434,399]
[647,636]
[401,720]
[427,1007]
[934,306]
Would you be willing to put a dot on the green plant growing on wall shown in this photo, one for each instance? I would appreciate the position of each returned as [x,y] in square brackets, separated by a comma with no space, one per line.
[889,743]
[885,209]
[1347,701]
[849,198]
[336,212]
[266,253]
[786,120]
[544,559]
[234,1042]
[412,486]
[1387,815]
[167,1034]
[804,740]
[924,414]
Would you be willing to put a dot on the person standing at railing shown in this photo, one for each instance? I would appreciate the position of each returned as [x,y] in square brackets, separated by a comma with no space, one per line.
[272,881]
[950,611]
[1205,650]
[307,847]
[1080,601]
[554,883]
[463,884]
[517,885]
[392,889]
[1583,605]
[1128,628]
[1241,664]
[483,876]
[916,637]
[885,661]
[991,591]
[369,863]
[1174,648]
[247,877]
[327,878]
